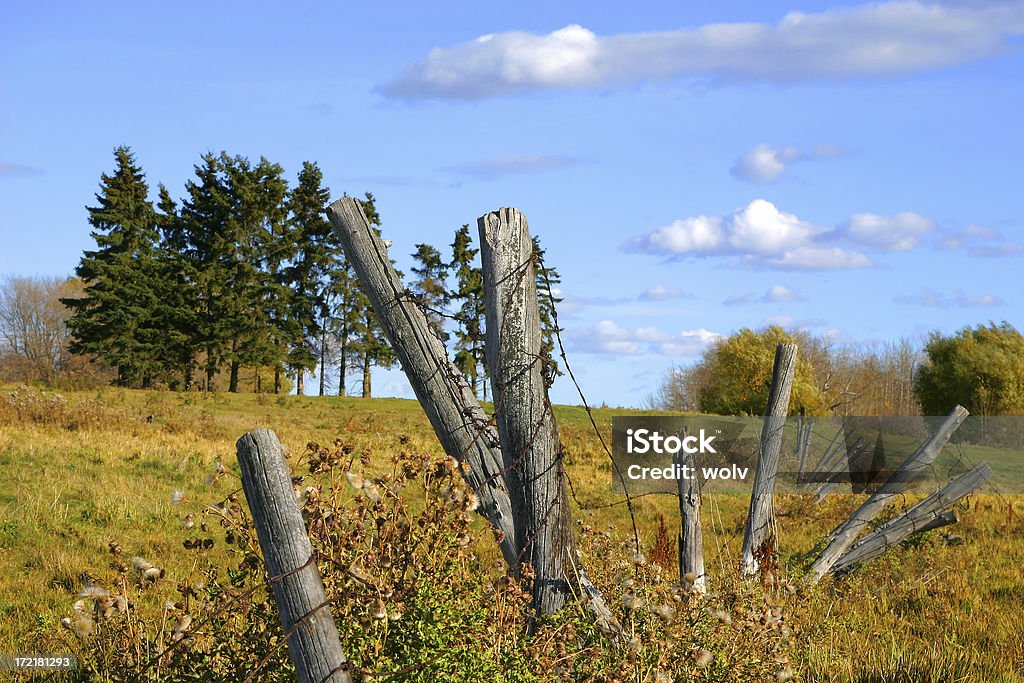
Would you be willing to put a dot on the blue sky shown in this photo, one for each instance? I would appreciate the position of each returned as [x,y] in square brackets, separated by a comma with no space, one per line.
[692,168]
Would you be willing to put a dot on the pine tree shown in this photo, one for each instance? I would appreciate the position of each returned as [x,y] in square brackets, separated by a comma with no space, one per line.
[176,301]
[202,238]
[547,279]
[316,258]
[367,344]
[115,317]
[469,317]
[429,288]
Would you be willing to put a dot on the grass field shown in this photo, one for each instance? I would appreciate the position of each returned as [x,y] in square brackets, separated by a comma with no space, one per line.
[82,470]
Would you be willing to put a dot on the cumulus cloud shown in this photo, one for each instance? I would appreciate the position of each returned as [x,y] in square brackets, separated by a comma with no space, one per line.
[766,163]
[872,40]
[610,338]
[527,163]
[932,299]
[775,294]
[901,232]
[760,233]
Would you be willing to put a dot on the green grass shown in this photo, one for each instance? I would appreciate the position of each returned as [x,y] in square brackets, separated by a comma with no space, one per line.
[77,476]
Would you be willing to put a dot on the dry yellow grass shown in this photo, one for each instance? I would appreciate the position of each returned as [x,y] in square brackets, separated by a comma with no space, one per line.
[100,467]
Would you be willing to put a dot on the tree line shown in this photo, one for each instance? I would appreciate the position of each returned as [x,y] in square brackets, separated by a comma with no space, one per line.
[980,368]
[240,283]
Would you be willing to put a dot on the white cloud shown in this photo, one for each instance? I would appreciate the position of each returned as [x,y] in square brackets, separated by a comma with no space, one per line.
[933,299]
[871,40]
[610,338]
[766,163]
[661,293]
[774,294]
[888,233]
[760,232]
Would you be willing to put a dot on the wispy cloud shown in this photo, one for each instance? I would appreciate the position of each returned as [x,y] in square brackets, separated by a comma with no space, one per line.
[760,233]
[9,170]
[900,232]
[872,40]
[610,338]
[774,294]
[662,293]
[767,163]
[528,163]
[980,242]
[958,299]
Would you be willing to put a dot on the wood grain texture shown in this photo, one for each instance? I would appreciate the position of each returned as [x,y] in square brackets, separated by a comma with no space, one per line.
[759,536]
[526,425]
[461,425]
[843,536]
[923,516]
[691,536]
[313,642]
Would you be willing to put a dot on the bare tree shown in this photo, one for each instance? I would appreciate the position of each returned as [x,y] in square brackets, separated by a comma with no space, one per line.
[33,334]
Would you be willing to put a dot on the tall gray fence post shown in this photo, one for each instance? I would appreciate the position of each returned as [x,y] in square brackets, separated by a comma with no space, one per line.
[313,641]
[461,425]
[526,425]
[759,539]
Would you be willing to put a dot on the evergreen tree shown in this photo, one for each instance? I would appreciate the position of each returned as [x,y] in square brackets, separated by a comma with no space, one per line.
[469,317]
[429,289]
[317,258]
[547,279]
[176,301]
[115,318]
[202,238]
[367,344]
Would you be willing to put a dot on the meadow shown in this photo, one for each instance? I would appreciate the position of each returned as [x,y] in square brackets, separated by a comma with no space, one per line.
[90,477]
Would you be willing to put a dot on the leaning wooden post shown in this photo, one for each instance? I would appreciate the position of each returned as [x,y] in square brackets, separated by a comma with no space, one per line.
[461,425]
[843,536]
[920,517]
[526,425]
[313,642]
[691,537]
[758,539]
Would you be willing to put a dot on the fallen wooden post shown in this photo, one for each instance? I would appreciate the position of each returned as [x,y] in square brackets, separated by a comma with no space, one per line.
[313,642]
[461,425]
[843,536]
[759,539]
[691,537]
[920,517]
[855,457]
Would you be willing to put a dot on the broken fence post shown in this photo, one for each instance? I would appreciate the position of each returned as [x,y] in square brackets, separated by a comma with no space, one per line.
[461,425]
[691,537]
[843,536]
[920,517]
[759,539]
[313,642]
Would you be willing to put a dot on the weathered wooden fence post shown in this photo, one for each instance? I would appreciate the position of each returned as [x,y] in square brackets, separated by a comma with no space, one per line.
[313,642]
[526,425]
[460,423]
[923,516]
[759,539]
[691,536]
[843,536]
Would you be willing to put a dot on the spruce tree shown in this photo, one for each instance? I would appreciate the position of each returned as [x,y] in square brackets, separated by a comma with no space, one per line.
[547,279]
[115,318]
[317,256]
[469,316]
[429,288]
[176,307]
